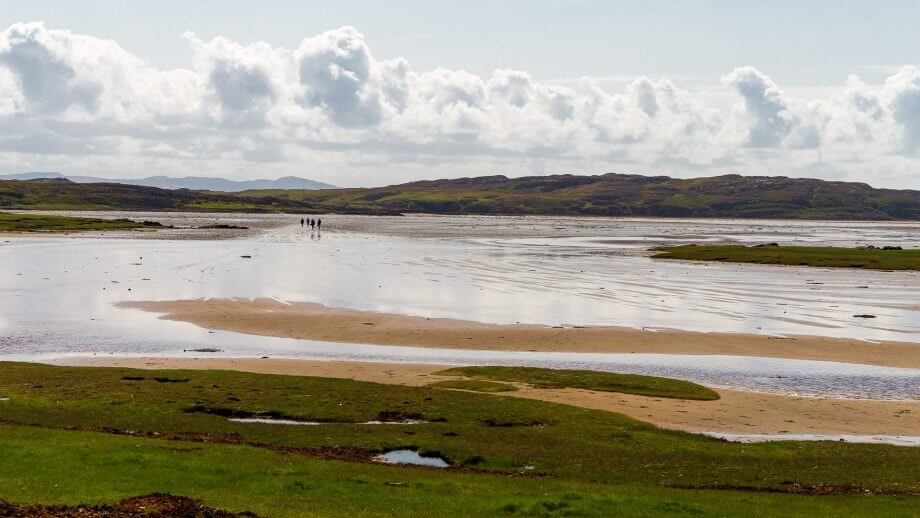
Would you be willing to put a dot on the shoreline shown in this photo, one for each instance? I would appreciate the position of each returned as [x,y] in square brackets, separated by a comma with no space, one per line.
[302,320]
[737,412]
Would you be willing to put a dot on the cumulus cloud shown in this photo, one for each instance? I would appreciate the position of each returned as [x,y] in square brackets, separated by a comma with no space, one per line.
[43,63]
[766,112]
[340,76]
[69,99]
[241,82]
[903,90]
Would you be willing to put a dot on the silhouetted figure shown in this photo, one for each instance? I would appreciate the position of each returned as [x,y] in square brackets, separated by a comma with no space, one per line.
[319,224]
[312,224]
[301,222]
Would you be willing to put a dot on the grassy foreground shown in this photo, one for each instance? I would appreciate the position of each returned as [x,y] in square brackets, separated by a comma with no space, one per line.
[831,257]
[589,380]
[38,222]
[97,435]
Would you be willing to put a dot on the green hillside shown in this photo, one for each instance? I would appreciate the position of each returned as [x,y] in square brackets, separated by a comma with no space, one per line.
[604,195]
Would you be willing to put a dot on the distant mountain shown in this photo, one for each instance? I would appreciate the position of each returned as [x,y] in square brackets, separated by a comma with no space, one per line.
[195,183]
[30,176]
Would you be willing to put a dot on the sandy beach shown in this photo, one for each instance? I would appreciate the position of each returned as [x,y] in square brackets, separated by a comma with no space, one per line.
[269,317]
[736,412]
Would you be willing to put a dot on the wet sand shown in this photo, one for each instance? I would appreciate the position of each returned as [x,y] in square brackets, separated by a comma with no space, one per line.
[269,317]
[736,412]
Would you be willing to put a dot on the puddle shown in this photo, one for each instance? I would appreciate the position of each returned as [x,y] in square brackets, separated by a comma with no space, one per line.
[263,420]
[896,440]
[411,457]
[404,421]
[4,399]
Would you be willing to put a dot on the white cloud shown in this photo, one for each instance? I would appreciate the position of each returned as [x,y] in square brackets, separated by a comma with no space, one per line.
[903,90]
[340,76]
[332,109]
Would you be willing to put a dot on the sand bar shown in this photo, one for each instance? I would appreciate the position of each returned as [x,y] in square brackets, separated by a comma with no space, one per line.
[301,320]
[736,412]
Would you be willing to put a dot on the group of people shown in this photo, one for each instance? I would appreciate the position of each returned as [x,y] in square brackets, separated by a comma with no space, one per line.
[312,223]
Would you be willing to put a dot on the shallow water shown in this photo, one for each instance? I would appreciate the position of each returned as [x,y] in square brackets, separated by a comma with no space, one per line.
[291,422]
[264,420]
[581,280]
[411,457]
[896,440]
[57,294]
[776,375]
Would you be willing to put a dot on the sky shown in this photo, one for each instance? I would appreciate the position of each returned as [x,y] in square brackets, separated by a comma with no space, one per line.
[372,93]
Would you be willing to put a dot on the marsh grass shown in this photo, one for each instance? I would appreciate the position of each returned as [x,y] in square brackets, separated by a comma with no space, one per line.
[474,385]
[92,435]
[588,380]
[39,222]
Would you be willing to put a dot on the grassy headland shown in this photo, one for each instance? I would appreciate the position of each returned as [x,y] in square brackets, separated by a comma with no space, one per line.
[46,223]
[829,257]
[91,435]
[588,380]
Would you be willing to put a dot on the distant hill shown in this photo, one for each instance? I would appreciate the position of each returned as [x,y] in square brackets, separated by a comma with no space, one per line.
[730,196]
[195,183]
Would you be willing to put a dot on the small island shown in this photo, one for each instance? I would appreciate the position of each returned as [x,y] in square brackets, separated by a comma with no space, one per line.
[865,257]
[52,223]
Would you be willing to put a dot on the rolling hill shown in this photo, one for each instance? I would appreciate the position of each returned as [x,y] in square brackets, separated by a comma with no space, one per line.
[731,196]
[62,194]
[624,195]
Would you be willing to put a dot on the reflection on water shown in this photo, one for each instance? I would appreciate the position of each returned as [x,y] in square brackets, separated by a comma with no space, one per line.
[56,294]
[265,420]
[293,422]
[896,440]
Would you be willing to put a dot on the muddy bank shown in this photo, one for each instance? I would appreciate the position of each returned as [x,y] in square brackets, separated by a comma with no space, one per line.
[152,505]
[318,322]
[735,412]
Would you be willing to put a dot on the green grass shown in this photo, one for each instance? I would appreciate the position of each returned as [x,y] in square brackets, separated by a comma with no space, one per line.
[588,380]
[597,463]
[44,223]
[105,469]
[65,467]
[831,257]
[474,385]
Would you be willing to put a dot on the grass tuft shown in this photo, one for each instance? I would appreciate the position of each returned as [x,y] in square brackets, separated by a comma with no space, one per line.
[474,385]
[588,380]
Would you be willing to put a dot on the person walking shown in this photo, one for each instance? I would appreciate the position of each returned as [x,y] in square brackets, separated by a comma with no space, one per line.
[312,224]
[301,222]
[319,224]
